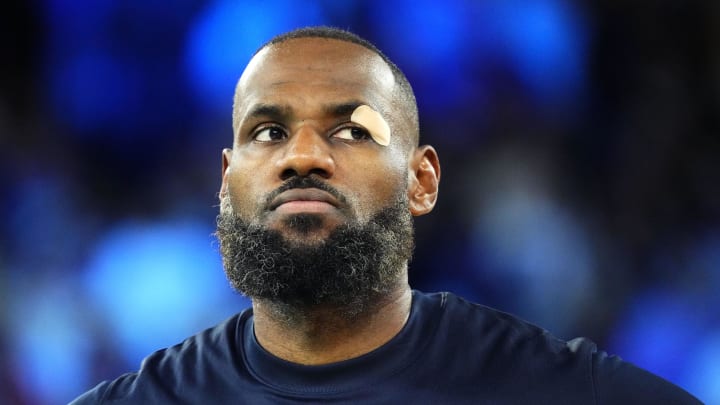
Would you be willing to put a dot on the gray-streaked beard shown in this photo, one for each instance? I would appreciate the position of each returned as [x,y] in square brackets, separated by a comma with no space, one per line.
[348,272]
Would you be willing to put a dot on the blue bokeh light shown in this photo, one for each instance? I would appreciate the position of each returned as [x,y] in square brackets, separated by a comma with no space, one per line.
[225,36]
[533,249]
[429,34]
[704,382]
[51,342]
[670,321]
[97,89]
[426,39]
[73,19]
[546,45]
[158,283]
[458,53]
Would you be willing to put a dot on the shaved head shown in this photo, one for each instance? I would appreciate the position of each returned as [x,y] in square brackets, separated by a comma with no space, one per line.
[402,92]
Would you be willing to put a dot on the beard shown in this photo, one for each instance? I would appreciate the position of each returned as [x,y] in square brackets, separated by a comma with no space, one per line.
[349,271]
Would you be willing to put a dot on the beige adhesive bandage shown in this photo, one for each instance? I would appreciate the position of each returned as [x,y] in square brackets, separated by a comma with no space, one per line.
[372,121]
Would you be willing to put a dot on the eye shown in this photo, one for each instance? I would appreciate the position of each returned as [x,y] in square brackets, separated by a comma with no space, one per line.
[269,134]
[352,134]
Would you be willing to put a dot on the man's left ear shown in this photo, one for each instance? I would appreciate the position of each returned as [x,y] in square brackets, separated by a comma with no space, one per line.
[424,180]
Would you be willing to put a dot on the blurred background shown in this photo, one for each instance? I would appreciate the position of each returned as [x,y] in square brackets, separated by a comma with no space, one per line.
[579,144]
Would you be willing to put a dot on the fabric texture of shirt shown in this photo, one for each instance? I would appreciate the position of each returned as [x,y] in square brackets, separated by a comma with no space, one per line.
[450,351]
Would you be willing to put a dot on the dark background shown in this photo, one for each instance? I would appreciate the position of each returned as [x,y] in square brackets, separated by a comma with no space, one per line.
[580,175]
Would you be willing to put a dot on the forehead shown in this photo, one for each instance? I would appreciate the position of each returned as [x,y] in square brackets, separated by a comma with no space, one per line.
[319,68]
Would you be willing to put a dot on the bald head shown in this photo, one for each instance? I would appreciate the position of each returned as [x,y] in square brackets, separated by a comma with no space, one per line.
[335,50]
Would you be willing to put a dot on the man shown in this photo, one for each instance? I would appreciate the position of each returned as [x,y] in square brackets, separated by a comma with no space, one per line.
[315,226]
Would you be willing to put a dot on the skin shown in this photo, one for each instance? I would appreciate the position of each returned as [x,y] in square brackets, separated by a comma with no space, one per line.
[292,118]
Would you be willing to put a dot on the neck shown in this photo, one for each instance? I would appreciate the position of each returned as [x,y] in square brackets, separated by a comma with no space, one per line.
[322,335]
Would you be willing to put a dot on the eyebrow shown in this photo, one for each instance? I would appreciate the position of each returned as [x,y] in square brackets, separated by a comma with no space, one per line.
[281,112]
[272,111]
[342,109]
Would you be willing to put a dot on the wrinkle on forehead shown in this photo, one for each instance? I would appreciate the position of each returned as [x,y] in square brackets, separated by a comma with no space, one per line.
[353,57]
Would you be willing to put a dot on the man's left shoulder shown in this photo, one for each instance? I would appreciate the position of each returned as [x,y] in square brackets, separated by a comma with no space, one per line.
[617,381]
[508,348]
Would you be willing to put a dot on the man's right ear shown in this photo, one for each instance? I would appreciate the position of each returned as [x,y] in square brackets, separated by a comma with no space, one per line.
[226,158]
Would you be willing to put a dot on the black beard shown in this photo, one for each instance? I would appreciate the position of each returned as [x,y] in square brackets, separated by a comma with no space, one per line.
[348,272]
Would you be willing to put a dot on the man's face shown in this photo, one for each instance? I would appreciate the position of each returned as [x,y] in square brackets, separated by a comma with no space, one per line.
[292,114]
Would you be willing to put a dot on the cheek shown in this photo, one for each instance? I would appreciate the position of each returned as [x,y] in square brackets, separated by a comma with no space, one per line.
[243,192]
[375,186]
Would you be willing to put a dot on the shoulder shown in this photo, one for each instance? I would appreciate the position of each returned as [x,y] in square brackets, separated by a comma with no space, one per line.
[502,347]
[502,339]
[520,355]
[481,324]
[617,381]
[168,371]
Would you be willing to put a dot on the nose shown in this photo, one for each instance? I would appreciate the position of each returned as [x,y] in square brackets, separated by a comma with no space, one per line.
[307,152]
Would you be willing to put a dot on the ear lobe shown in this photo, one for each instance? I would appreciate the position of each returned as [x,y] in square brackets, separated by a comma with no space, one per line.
[226,158]
[424,180]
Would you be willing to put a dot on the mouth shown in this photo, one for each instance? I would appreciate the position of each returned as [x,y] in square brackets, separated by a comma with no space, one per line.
[305,200]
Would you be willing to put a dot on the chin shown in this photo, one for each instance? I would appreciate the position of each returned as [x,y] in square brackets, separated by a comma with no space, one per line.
[306,229]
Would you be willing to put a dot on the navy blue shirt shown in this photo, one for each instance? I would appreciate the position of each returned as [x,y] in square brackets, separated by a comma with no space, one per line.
[450,351]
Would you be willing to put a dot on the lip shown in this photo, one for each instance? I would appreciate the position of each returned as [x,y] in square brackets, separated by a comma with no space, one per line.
[310,195]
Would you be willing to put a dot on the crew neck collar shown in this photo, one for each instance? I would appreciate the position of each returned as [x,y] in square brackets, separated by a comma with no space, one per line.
[389,359]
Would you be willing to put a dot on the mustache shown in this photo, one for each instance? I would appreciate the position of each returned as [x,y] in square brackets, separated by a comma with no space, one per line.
[305,182]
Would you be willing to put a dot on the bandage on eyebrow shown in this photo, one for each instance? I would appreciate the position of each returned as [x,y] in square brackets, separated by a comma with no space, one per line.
[374,122]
